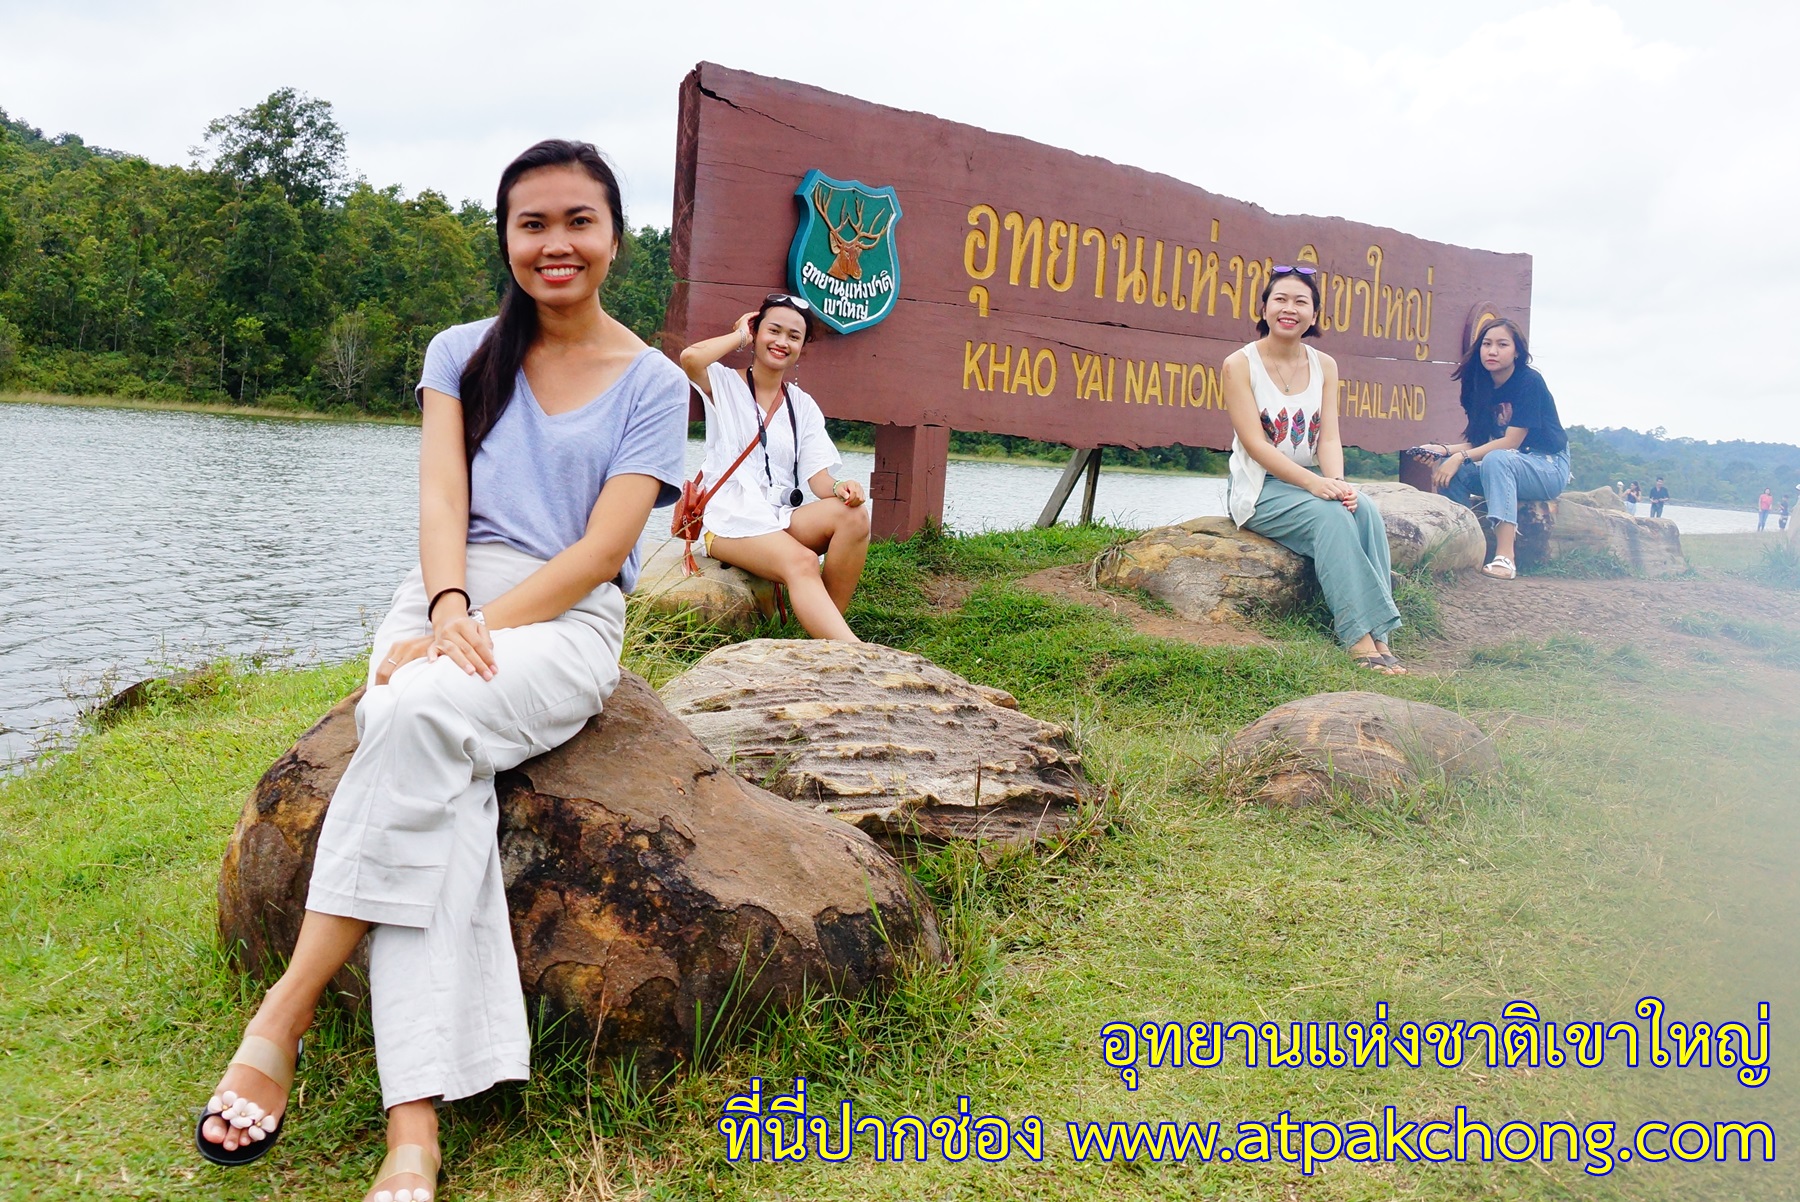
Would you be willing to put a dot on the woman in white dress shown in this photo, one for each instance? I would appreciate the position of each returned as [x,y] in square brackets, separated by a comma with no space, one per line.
[760,519]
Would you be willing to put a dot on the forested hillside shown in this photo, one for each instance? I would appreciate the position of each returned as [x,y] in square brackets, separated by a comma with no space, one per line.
[1726,473]
[262,274]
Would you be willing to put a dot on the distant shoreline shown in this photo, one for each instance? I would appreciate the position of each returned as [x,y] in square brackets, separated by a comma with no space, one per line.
[357,416]
[220,408]
[353,416]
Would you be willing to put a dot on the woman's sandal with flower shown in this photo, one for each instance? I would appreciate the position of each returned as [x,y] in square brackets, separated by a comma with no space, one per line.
[1501,568]
[246,1117]
[414,1159]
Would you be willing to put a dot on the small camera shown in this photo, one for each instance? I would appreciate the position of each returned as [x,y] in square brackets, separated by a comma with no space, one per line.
[792,497]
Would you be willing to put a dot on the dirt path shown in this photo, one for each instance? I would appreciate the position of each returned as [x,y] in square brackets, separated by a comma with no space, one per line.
[1478,612]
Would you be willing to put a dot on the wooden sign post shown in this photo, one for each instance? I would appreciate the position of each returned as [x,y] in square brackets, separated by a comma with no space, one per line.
[1035,291]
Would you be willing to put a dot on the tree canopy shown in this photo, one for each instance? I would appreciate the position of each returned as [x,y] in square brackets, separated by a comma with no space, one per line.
[260,274]
[289,140]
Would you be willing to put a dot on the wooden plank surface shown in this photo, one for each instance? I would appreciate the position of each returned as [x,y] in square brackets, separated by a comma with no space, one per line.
[1056,295]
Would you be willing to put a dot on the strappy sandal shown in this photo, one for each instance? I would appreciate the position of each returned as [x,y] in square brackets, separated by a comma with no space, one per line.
[272,1061]
[1376,663]
[1500,569]
[416,1159]
[1393,662]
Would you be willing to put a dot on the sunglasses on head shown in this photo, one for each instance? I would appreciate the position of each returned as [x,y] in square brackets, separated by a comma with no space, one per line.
[1298,269]
[792,302]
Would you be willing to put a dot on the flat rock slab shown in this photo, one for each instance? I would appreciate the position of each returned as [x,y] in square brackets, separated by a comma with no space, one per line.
[1207,570]
[650,888]
[717,594]
[883,739]
[1364,744]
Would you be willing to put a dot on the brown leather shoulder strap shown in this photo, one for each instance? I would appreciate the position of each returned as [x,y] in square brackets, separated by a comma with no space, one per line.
[707,494]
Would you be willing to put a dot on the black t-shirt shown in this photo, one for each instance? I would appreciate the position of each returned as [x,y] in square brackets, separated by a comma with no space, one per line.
[1659,493]
[1533,408]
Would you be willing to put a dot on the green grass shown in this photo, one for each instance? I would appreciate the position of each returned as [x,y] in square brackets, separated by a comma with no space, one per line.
[1724,552]
[1634,845]
[1582,563]
[1770,641]
[1768,557]
[1779,564]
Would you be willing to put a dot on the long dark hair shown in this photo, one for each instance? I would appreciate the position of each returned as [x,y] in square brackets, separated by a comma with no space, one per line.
[492,371]
[1478,386]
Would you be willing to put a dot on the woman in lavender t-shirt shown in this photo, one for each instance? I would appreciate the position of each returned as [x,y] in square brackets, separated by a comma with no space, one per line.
[550,432]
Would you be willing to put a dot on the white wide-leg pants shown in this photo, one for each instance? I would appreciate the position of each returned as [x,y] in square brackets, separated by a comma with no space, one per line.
[410,840]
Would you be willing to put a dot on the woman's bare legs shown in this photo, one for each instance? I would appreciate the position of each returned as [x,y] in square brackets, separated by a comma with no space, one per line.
[325,943]
[791,557]
[841,534]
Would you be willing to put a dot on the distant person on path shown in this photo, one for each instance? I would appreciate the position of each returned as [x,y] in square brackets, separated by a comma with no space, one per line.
[1764,503]
[1783,513]
[1632,496]
[1659,496]
[1287,468]
[1515,448]
[760,520]
[549,434]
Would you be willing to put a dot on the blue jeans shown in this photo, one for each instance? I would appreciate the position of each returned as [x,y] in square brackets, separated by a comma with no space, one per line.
[1507,477]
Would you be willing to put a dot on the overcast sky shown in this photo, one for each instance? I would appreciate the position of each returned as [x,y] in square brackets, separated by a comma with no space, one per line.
[1647,155]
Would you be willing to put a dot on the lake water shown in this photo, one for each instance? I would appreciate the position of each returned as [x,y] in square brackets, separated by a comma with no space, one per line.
[131,541]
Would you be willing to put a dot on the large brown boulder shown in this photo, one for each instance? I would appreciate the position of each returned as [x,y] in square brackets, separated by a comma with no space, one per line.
[1363,744]
[650,889]
[1648,546]
[717,594]
[1595,525]
[1427,530]
[1207,570]
[884,739]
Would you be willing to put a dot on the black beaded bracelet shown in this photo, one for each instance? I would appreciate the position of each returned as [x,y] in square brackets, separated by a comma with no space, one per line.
[440,595]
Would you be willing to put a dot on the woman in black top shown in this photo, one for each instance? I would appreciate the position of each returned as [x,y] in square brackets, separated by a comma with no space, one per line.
[1514,449]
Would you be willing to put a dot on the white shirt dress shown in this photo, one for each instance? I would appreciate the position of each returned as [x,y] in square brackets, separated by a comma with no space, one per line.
[753,501]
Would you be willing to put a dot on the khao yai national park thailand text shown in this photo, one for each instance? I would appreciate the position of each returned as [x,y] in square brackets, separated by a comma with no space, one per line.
[988,601]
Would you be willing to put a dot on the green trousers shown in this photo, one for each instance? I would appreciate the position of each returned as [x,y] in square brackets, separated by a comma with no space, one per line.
[1349,553]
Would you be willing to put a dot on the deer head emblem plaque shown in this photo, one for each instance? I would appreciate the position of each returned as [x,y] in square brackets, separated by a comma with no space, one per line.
[844,259]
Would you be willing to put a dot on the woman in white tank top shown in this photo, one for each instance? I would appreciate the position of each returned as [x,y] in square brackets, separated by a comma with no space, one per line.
[1287,468]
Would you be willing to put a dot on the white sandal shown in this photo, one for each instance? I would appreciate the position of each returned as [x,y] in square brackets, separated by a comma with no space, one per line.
[1501,569]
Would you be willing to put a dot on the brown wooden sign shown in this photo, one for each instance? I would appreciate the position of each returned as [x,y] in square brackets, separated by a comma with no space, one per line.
[1050,294]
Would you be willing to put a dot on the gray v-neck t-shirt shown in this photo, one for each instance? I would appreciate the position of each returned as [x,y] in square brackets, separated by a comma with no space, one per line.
[537,476]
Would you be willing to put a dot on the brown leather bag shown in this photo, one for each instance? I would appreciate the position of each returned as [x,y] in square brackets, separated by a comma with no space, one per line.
[690,510]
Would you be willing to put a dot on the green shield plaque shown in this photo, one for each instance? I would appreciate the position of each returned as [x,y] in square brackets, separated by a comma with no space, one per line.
[844,259]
